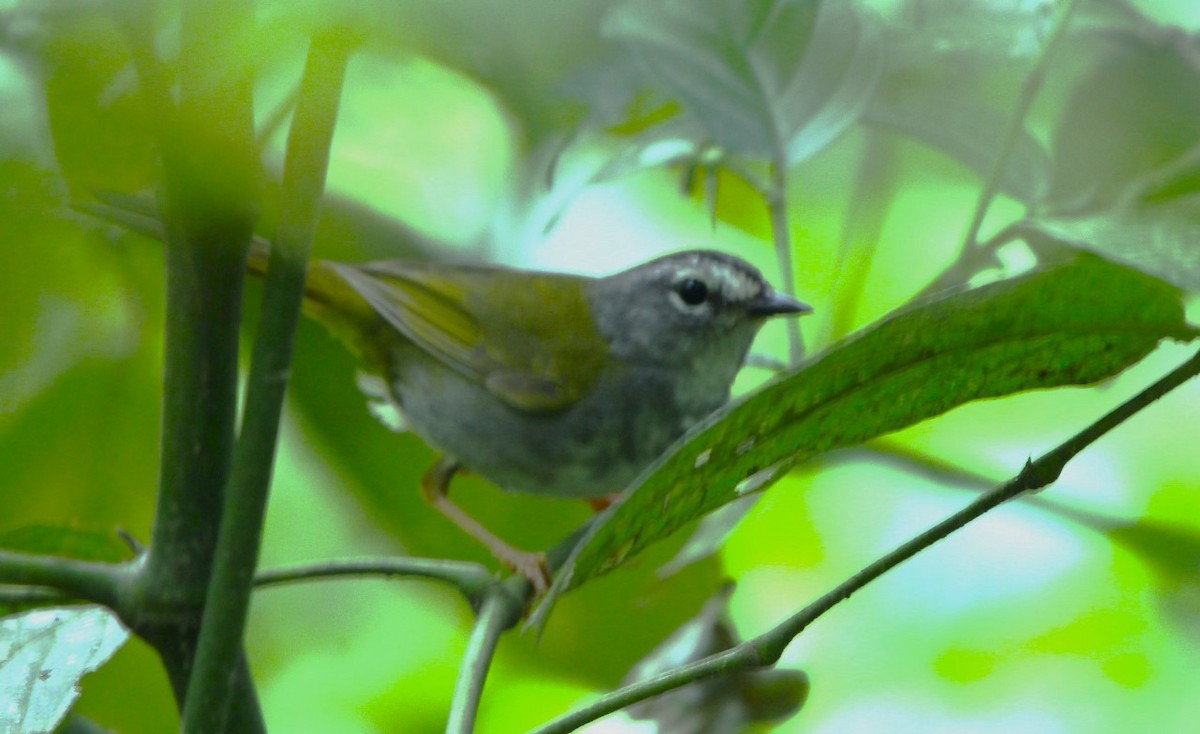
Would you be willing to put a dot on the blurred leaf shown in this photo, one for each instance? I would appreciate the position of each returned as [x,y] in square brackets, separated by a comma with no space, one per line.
[43,655]
[76,724]
[667,144]
[1163,241]
[90,435]
[79,371]
[720,705]
[710,534]
[66,542]
[1101,147]
[1173,552]
[101,129]
[1072,324]
[970,132]
[971,33]
[777,80]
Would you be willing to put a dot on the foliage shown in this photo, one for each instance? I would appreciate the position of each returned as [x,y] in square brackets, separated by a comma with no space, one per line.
[860,140]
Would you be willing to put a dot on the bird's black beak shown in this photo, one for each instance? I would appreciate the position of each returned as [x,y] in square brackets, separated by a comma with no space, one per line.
[773,303]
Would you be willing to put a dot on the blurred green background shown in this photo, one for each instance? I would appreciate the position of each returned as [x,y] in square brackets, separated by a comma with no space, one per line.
[1078,610]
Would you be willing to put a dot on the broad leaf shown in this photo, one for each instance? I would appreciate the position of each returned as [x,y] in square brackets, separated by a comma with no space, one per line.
[1100,147]
[1071,324]
[1161,240]
[43,655]
[777,80]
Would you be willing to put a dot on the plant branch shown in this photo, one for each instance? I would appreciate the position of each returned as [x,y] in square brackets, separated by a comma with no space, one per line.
[209,690]
[500,610]
[777,206]
[209,204]
[469,578]
[86,580]
[1029,91]
[766,649]
[973,257]
[874,193]
[15,598]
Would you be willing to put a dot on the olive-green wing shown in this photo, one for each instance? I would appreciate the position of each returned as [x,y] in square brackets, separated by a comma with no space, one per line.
[530,341]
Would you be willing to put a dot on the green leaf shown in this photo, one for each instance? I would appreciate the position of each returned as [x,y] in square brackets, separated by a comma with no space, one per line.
[1071,324]
[778,80]
[1101,148]
[43,655]
[1172,551]
[99,124]
[67,542]
[1162,240]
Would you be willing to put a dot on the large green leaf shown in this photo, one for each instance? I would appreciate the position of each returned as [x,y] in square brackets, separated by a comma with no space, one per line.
[1070,324]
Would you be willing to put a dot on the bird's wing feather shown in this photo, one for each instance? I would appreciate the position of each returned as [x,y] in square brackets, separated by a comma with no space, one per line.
[534,353]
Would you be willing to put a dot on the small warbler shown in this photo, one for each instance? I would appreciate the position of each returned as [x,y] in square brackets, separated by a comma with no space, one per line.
[547,383]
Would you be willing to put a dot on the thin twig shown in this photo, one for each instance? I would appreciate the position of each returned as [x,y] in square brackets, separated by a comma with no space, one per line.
[87,580]
[972,256]
[874,189]
[469,578]
[28,597]
[777,206]
[1029,91]
[499,611]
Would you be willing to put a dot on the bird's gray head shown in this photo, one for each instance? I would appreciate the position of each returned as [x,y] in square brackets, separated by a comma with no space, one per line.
[699,306]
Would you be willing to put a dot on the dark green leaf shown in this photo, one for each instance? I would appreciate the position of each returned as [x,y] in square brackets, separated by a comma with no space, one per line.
[1072,324]
[67,542]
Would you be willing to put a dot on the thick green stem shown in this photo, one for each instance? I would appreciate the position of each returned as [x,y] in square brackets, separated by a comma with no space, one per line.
[210,686]
[209,205]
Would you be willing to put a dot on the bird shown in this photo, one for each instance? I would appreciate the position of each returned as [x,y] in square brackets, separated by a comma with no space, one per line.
[547,383]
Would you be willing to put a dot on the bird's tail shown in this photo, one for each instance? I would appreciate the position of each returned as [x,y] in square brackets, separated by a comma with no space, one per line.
[328,299]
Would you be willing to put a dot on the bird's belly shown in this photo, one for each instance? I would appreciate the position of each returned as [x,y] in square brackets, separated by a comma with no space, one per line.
[594,447]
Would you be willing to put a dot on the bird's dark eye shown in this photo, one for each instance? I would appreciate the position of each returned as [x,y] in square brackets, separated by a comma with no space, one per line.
[692,291]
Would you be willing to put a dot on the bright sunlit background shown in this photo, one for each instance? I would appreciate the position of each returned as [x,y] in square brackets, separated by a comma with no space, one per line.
[1077,610]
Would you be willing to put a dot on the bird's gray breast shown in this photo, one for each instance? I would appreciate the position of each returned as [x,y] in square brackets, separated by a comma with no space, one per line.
[594,447]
